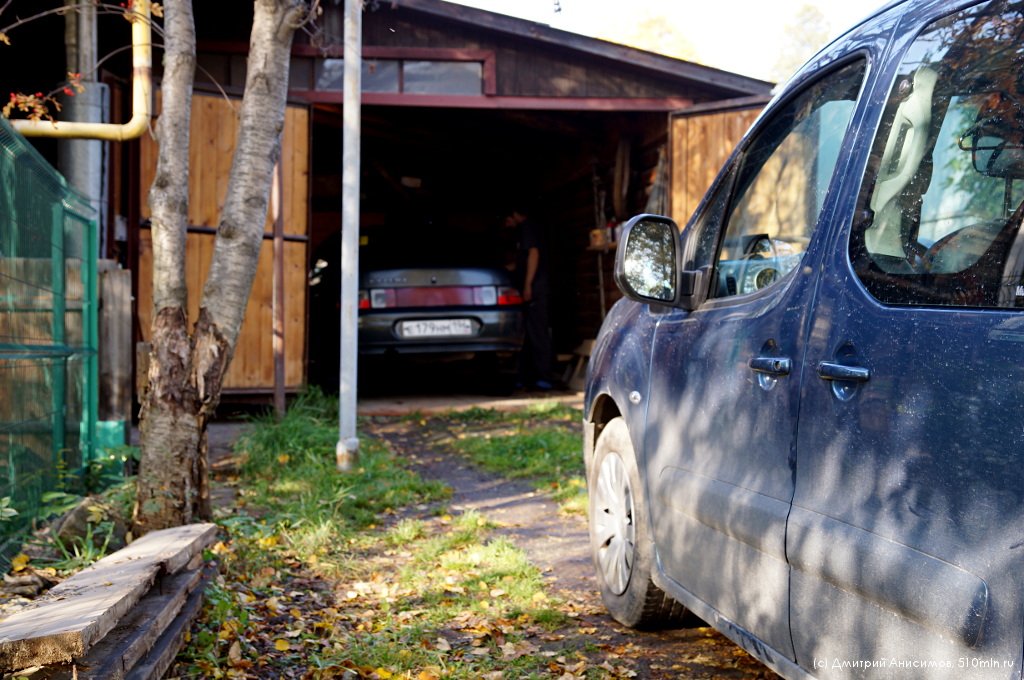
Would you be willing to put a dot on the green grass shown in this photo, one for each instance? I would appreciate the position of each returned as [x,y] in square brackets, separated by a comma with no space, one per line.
[417,593]
[290,467]
[550,455]
[548,410]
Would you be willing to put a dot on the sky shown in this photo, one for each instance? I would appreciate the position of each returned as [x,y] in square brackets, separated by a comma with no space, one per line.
[735,35]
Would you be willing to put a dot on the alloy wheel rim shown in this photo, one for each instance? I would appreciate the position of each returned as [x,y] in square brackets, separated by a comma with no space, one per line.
[614,529]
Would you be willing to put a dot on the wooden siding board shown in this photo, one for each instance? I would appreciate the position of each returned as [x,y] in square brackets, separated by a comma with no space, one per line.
[401,26]
[115,344]
[700,146]
[224,150]
[145,299]
[214,130]
[526,67]
[295,258]
[677,169]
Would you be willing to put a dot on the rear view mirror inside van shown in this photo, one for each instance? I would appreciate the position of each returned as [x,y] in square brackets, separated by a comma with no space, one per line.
[996,140]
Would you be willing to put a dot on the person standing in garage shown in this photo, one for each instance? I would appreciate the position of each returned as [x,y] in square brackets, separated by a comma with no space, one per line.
[531,269]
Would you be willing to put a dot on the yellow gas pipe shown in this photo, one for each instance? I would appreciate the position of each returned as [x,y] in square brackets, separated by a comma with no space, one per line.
[142,61]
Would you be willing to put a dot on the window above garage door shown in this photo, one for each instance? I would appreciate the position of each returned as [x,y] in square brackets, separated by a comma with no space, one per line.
[386,70]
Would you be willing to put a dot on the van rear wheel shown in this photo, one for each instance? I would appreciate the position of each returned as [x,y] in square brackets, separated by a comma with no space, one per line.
[619,536]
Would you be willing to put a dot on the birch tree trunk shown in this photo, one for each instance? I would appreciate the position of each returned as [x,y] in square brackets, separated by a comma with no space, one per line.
[186,370]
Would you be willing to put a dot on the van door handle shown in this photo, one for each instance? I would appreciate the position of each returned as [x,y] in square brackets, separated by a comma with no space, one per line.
[770,365]
[828,370]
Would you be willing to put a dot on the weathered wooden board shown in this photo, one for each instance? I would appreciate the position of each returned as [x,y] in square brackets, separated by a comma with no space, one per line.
[700,145]
[161,656]
[115,325]
[113,657]
[75,614]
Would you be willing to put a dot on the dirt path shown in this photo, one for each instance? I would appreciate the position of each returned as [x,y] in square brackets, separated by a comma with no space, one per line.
[558,545]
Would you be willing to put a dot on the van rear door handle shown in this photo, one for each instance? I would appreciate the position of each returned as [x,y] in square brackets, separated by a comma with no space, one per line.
[770,365]
[829,370]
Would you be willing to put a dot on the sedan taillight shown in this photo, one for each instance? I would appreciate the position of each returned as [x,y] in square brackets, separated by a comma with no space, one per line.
[509,296]
[439,296]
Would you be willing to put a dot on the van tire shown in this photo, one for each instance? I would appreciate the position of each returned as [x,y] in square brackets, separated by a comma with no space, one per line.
[620,537]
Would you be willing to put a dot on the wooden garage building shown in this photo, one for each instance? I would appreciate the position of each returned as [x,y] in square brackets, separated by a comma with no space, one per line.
[466,113]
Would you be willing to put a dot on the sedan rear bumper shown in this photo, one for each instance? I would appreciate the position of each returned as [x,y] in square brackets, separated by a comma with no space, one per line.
[497,330]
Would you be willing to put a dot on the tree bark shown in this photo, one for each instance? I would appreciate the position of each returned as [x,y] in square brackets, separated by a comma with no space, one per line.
[187,370]
[261,122]
[167,485]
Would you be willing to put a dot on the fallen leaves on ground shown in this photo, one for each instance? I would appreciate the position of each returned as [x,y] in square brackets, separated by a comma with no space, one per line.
[389,611]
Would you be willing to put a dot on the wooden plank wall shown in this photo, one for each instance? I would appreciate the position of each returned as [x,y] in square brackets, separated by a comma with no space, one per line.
[213,130]
[700,145]
[115,327]
[524,67]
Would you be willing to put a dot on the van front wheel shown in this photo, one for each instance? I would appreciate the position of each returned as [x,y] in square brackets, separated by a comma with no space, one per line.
[619,536]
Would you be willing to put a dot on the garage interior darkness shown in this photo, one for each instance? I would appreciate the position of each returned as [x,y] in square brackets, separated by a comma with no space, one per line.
[439,181]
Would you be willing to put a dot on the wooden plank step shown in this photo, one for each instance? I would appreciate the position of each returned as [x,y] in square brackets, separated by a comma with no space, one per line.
[138,636]
[120,649]
[162,655]
[68,620]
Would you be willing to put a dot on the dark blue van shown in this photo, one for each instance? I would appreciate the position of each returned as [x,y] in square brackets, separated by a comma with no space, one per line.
[805,422]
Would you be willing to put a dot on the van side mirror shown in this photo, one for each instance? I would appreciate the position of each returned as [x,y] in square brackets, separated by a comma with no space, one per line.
[647,264]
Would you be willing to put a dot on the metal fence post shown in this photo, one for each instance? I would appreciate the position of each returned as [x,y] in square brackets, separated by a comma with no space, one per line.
[58,267]
[91,337]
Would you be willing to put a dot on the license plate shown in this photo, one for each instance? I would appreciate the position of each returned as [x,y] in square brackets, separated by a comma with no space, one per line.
[433,328]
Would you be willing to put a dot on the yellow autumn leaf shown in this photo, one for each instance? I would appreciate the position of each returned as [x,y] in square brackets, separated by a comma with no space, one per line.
[282,645]
[384,673]
[228,630]
[283,458]
[269,541]
[4,39]
[19,562]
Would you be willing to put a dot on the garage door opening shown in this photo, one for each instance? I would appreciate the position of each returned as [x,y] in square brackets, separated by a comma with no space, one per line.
[437,183]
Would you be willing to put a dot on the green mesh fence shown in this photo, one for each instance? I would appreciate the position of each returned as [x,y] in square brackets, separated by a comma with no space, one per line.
[48,334]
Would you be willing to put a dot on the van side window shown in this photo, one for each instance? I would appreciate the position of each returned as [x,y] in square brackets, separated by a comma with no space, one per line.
[939,210]
[781,181]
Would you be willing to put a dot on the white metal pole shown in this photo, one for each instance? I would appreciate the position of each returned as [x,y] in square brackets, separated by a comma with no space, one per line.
[347,448]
